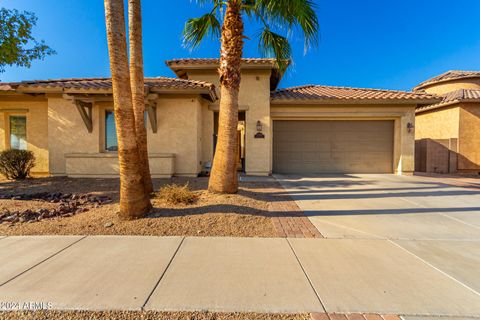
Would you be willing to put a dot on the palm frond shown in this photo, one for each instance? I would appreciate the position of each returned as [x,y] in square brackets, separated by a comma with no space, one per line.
[204,2]
[272,44]
[290,14]
[197,28]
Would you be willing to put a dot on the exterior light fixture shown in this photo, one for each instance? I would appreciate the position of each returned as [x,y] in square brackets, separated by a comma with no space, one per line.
[410,127]
[259,126]
[259,134]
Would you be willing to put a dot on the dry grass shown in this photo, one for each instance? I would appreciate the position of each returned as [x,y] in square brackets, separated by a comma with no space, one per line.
[245,214]
[177,194]
[147,315]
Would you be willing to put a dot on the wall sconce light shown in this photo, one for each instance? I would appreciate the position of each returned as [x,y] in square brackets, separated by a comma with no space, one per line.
[410,127]
[259,126]
[259,134]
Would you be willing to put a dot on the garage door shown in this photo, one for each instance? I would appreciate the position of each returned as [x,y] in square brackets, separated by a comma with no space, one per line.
[332,146]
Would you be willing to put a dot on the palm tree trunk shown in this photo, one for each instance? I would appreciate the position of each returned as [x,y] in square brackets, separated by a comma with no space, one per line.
[134,202]
[138,88]
[223,177]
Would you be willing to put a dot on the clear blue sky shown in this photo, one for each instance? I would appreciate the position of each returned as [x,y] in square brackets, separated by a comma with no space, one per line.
[392,44]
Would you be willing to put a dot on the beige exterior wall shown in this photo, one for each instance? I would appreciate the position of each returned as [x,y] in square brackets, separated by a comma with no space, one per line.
[456,125]
[179,127]
[469,138]
[106,165]
[35,110]
[176,147]
[254,99]
[445,87]
[207,133]
[403,154]
[438,124]
[68,134]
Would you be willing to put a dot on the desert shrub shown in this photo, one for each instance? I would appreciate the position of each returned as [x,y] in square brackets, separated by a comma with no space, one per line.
[16,164]
[177,194]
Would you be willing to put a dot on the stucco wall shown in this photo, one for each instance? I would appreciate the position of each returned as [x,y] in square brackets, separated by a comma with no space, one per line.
[207,133]
[404,141]
[179,123]
[68,134]
[35,110]
[469,137]
[106,165]
[438,124]
[254,98]
[444,87]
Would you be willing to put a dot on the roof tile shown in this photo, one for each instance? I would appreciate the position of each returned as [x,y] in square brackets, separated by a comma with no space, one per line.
[106,83]
[460,95]
[316,92]
[449,75]
[216,61]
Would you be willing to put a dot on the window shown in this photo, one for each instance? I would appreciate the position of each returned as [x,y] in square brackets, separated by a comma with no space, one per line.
[111,143]
[18,132]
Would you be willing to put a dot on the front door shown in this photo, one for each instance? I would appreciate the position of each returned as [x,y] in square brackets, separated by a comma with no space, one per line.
[240,138]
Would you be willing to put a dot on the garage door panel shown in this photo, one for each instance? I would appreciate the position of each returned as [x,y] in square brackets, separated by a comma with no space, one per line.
[291,157]
[362,136]
[332,146]
[360,146]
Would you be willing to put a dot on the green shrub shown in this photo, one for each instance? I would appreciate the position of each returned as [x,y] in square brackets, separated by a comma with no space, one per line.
[176,194]
[16,164]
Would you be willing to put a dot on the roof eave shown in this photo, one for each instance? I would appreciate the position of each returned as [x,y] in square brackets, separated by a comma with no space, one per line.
[353,101]
[181,69]
[427,84]
[206,92]
[445,105]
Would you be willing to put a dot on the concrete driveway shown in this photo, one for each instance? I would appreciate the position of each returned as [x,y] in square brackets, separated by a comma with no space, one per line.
[386,206]
[394,243]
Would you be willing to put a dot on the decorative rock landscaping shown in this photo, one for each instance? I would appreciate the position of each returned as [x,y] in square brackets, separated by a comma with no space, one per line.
[68,205]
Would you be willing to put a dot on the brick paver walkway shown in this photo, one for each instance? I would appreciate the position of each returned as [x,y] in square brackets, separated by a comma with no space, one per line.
[288,218]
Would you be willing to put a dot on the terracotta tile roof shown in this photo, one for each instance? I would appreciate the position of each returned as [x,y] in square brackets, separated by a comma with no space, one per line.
[460,95]
[181,66]
[184,61]
[449,75]
[106,84]
[329,93]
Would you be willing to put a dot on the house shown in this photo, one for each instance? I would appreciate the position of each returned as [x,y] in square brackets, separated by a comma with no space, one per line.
[68,124]
[448,132]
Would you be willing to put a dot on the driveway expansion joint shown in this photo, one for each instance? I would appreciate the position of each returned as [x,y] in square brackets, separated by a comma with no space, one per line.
[435,268]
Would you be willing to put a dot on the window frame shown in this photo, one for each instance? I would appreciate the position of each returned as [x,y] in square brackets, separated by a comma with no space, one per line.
[104,130]
[8,134]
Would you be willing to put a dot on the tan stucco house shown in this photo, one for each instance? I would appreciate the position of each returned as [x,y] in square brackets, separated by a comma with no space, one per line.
[69,125]
[448,132]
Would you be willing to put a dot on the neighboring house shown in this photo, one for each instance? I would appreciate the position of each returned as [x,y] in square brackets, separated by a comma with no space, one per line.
[69,125]
[448,132]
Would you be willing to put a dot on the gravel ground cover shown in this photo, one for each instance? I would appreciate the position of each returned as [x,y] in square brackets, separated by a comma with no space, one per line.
[242,215]
[146,315]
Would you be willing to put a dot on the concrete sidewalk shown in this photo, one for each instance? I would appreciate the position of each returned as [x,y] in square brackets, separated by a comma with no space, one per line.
[234,275]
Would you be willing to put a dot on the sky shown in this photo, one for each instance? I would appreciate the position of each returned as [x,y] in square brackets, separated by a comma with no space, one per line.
[388,44]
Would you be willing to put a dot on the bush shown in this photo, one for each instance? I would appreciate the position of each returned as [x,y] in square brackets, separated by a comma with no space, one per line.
[176,194]
[16,164]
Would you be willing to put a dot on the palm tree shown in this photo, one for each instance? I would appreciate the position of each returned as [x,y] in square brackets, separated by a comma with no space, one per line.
[134,202]
[286,15]
[138,87]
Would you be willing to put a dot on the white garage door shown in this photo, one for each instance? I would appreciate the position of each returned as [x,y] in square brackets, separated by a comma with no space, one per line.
[332,146]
